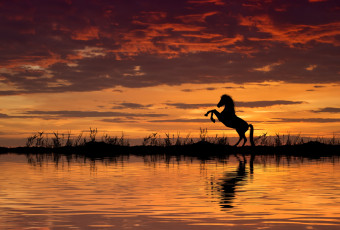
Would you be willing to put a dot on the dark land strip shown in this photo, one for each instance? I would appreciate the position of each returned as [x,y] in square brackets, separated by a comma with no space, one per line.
[201,149]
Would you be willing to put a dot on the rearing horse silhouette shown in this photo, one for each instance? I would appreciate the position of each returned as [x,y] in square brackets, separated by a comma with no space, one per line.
[229,119]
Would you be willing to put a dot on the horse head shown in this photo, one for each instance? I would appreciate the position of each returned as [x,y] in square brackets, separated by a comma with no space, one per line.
[225,100]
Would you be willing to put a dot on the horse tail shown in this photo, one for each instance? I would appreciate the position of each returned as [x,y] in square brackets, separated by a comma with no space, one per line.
[251,136]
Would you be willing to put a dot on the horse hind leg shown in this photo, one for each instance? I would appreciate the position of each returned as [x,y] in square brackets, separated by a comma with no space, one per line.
[245,140]
[239,140]
[242,136]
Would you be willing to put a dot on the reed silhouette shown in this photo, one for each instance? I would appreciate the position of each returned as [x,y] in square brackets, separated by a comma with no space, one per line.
[229,119]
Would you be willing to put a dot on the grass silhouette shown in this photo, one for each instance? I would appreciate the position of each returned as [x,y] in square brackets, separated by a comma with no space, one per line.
[171,144]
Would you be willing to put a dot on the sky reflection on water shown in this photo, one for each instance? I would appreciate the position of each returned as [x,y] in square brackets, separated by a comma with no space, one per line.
[154,192]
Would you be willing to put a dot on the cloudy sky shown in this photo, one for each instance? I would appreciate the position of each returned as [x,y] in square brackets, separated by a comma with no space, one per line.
[143,66]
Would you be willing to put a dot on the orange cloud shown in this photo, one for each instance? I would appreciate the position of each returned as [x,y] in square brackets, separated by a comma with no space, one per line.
[216,2]
[267,68]
[293,34]
[89,33]
[196,17]
[150,16]
[41,61]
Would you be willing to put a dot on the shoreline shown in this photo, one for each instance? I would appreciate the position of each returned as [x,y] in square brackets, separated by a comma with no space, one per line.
[199,149]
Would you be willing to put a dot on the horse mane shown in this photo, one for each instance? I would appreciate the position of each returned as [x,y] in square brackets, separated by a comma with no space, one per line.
[229,103]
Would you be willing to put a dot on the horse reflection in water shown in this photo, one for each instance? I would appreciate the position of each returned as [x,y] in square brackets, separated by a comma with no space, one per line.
[231,181]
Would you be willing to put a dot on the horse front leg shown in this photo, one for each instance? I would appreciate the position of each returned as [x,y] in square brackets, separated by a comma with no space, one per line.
[211,117]
[212,112]
[208,113]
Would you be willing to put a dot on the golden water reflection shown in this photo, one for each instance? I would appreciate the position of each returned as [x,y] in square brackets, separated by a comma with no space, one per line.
[153,192]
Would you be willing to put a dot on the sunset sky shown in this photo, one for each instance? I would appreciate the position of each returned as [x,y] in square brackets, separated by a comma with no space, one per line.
[144,66]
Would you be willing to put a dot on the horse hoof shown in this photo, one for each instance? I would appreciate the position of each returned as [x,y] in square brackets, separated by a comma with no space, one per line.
[206,114]
[213,121]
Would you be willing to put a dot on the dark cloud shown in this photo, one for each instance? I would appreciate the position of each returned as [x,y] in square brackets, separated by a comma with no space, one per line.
[327,110]
[2,115]
[250,104]
[70,113]
[308,120]
[253,104]
[232,87]
[188,90]
[315,87]
[207,88]
[119,120]
[6,116]
[10,92]
[127,105]
[212,88]
[189,106]
[181,120]
[60,46]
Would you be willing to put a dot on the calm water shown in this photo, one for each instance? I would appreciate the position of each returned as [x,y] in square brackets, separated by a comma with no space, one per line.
[41,192]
